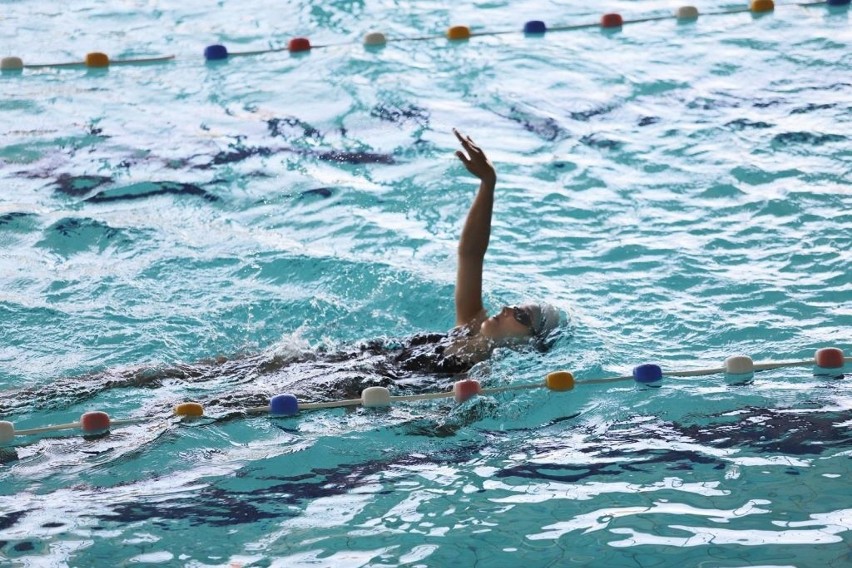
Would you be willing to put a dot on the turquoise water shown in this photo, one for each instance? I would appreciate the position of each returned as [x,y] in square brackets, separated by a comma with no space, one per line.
[680,191]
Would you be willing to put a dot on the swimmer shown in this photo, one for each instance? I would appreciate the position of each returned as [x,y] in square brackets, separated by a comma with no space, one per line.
[476,335]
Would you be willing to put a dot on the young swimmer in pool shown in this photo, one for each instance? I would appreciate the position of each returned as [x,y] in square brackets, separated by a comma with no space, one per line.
[476,334]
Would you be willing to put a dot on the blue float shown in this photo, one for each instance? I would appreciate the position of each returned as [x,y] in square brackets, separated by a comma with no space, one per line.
[838,2]
[215,52]
[647,374]
[535,27]
[284,405]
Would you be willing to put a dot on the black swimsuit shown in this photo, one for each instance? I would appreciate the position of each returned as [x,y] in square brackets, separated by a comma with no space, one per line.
[426,354]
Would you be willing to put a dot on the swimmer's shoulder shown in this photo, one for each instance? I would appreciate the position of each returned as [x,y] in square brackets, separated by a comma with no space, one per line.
[467,341]
[471,328]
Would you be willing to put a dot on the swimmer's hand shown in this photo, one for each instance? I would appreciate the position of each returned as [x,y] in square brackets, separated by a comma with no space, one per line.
[475,160]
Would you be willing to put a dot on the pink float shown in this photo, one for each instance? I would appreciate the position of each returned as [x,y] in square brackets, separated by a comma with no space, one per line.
[466,389]
[94,422]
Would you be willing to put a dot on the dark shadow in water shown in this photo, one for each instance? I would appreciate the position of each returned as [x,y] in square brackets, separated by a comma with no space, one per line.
[318,192]
[743,123]
[237,155]
[91,187]
[400,114]
[788,138]
[214,506]
[14,216]
[8,520]
[78,186]
[87,186]
[593,141]
[810,107]
[772,431]
[150,189]
[649,120]
[545,127]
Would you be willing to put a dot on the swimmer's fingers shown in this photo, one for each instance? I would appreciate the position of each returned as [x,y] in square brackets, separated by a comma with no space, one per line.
[476,162]
[468,143]
[461,155]
[459,136]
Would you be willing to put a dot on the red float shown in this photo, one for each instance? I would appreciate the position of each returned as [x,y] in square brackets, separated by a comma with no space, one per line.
[611,21]
[829,358]
[299,44]
[94,422]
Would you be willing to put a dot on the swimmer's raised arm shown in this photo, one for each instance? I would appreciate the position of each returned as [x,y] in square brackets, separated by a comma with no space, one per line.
[475,235]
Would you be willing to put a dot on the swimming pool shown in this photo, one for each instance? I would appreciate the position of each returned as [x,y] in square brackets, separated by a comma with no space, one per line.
[679,190]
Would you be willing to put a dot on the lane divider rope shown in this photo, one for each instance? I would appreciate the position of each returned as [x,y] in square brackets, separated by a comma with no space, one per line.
[374,39]
[828,361]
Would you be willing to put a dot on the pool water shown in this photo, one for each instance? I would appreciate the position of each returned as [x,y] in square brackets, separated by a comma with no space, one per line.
[681,191]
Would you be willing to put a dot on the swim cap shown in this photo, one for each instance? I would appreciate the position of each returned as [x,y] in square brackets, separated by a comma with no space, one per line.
[545,319]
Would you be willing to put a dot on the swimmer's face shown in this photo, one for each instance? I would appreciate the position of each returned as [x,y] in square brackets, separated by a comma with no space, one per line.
[509,323]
